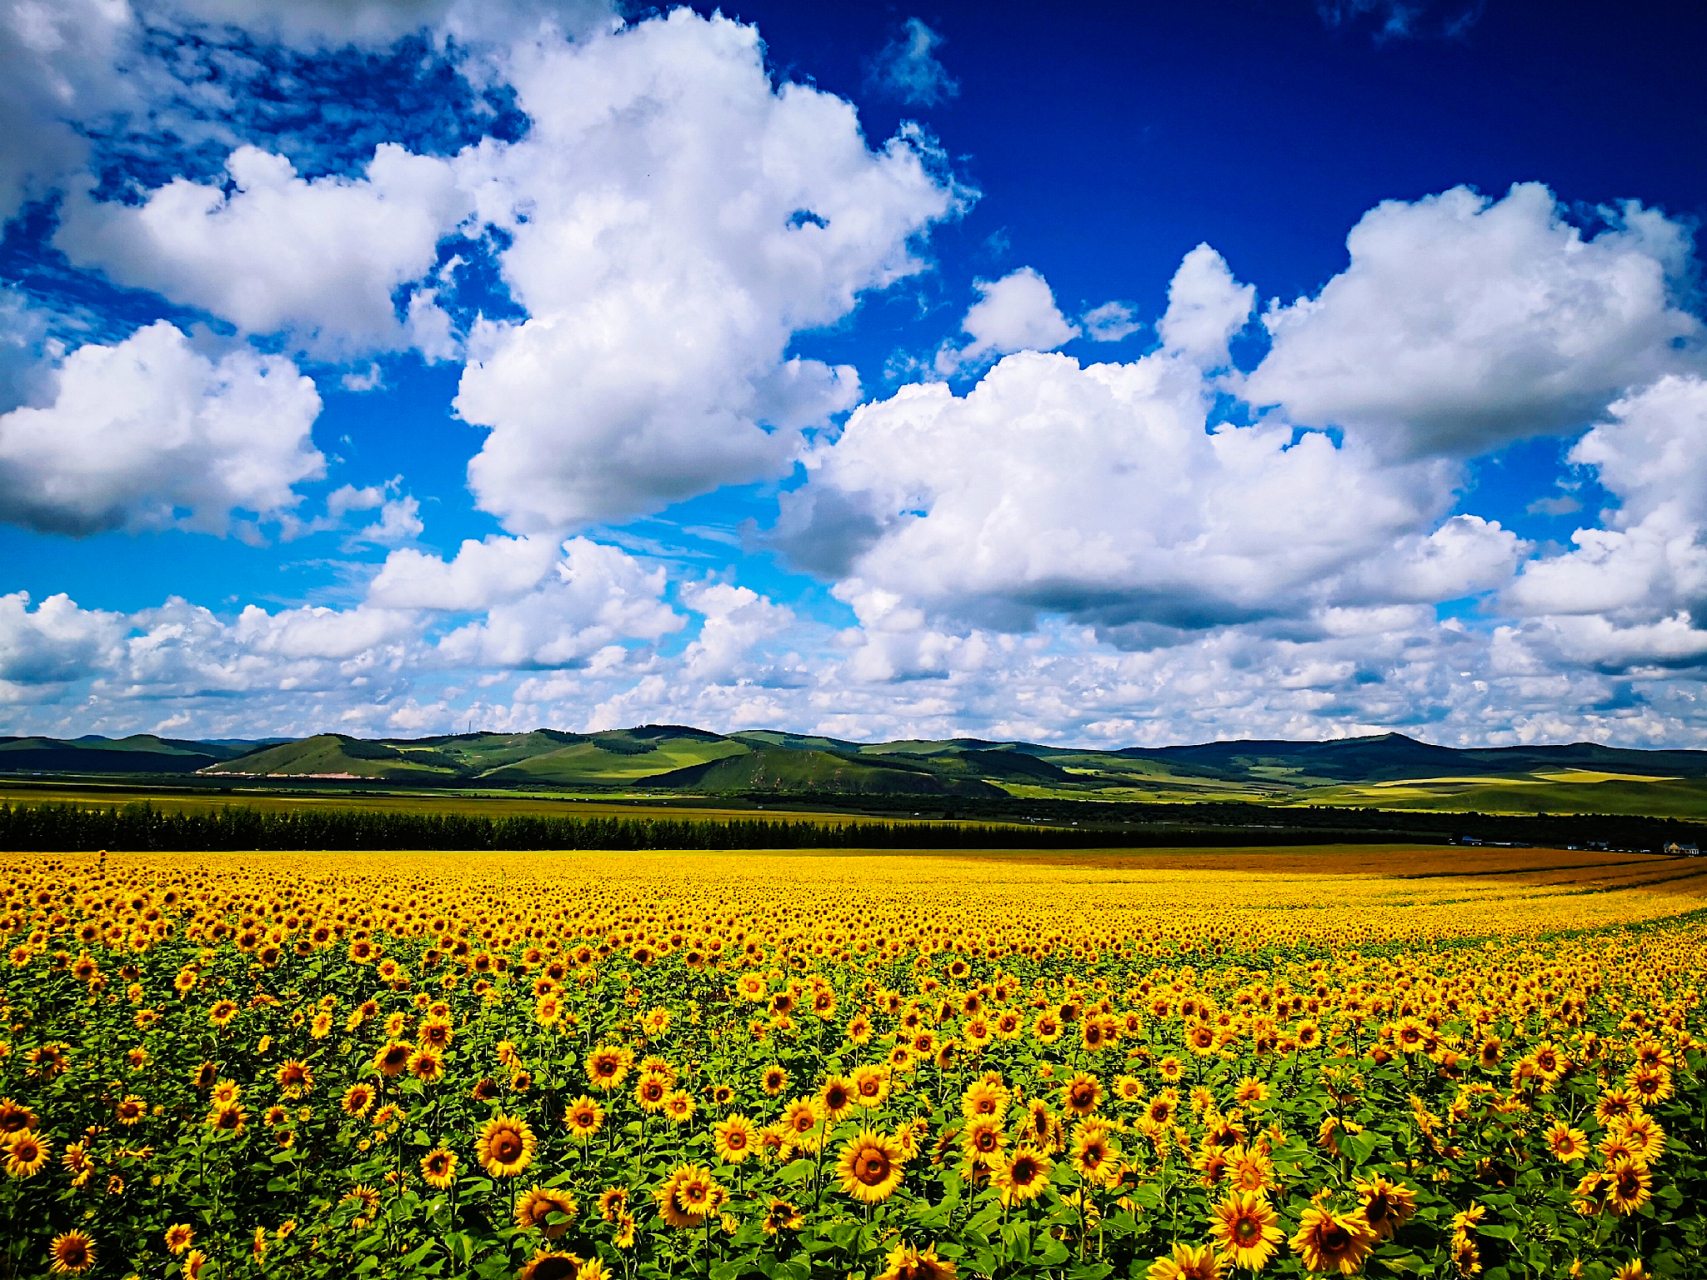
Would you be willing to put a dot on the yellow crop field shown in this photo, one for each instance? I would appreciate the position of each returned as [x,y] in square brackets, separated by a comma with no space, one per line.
[1175,1065]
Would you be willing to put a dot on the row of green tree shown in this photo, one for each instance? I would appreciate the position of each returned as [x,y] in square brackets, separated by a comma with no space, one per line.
[69,827]
[64,827]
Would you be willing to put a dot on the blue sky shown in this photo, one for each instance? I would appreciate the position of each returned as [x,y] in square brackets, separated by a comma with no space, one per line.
[1153,374]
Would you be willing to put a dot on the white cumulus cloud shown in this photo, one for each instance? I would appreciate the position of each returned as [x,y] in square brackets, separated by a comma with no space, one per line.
[1206,307]
[598,596]
[481,574]
[676,218]
[1464,323]
[1100,493]
[149,433]
[318,257]
[1015,313]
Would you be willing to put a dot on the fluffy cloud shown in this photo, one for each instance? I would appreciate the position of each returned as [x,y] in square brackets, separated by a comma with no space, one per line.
[319,24]
[907,68]
[1110,322]
[736,619]
[598,596]
[1099,493]
[57,66]
[1627,591]
[321,258]
[676,218]
[1462,323]
[149,433]
[53,643]
[1015,313]
[1206,307]
[481,574]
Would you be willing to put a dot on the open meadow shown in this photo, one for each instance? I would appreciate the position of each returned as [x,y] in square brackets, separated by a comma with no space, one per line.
[1393,1061]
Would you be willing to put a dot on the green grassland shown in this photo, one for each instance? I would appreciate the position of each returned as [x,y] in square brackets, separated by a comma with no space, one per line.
[688,765]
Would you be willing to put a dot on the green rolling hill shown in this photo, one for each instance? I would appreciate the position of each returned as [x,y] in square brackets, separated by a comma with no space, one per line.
[1389,771]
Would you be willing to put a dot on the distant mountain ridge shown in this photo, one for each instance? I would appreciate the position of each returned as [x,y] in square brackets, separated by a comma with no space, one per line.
[1386,770]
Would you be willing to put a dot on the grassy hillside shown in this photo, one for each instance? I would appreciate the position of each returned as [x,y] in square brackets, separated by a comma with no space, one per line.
[336,756]
[1389,771]
[139,753]
[823,772]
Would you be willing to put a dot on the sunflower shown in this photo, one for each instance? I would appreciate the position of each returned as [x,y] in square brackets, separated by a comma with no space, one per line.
[584,1118]
[836,1097]
[688,1196]
[357,1099]
[535,1210]
[222,1013]
[1567,1144]
[15,1117]
[1095,1153]
[1629,1186]
[773,1079]
[505,1146]
[295,1078]
[650,1092]
[131,1110]
[368,1200]
[1246,1229]
[1650,1084]
[1023,1175]
[1081,1095]
[549,1264]
[985,1097]
[179,1236]
[607,1066]
[679,1106]
[781,1216]
[1616,1104]
[1159,1111]
[1466,1257]
[426,1065]
[733,1139]
[1187,1263]
[1326,1241]
[871,1084]
[982,1140]
[438,1167]
[226,1093]
[773,1142]
[1643,1135]
[194,1264]
[231,1119]
[1250,1169]
[26,1153]
[800,1123]
[392,1059]
[870,1166]
[1387,1206]
[72,1252]
[76,1160]
[1250,1092]
[613,1203]
[906,1262]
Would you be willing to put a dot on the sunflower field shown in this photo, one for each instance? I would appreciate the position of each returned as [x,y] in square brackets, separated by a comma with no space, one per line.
[1382,1062]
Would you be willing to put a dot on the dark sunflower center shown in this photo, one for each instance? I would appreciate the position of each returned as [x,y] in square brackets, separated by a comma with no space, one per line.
[506,1147]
